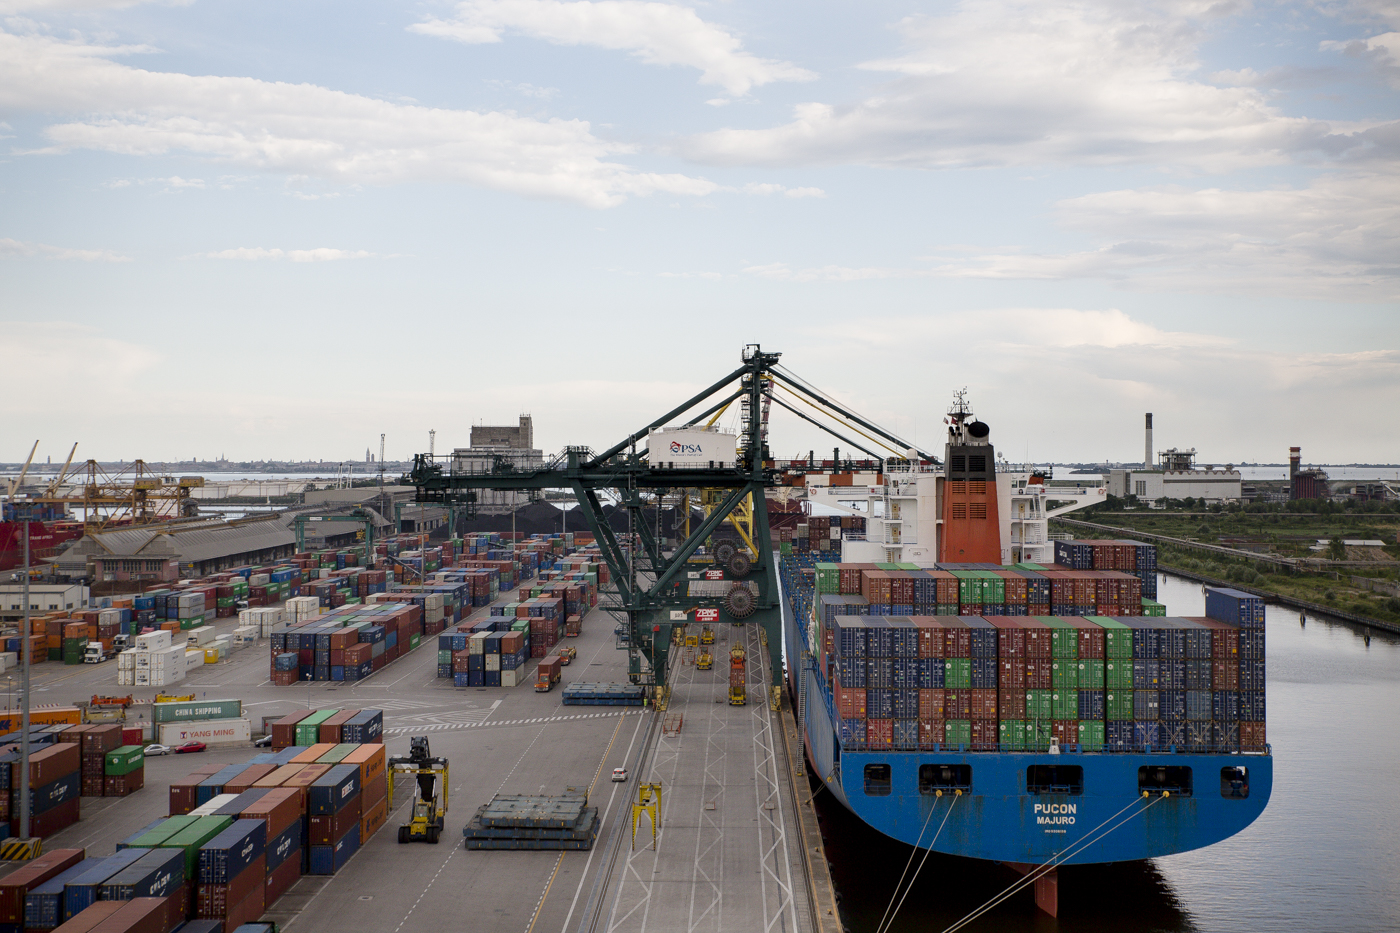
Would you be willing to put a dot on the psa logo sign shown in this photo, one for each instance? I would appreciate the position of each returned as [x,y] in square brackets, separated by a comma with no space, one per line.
[685,450]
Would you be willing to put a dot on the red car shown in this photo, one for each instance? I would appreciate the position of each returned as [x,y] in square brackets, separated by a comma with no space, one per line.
[190,747]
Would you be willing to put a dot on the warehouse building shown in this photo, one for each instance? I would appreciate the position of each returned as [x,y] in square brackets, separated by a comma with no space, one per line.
[167,551]
[43,597]
[1177,477]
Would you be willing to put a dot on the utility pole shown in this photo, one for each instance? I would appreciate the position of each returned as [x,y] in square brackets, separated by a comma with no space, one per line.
[28,645]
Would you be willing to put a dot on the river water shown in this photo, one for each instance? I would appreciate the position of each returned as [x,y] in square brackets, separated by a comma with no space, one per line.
[1324,856]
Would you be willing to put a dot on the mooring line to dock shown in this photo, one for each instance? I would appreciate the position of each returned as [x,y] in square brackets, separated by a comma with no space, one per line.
[893,910]
[1087,840]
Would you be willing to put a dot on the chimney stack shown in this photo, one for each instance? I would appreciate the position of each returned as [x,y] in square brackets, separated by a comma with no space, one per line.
[1147,446]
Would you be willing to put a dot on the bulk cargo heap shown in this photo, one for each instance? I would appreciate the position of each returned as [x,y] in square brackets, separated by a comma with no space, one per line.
[959,697]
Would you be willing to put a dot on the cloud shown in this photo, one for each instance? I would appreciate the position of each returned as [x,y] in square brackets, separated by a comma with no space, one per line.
[31,6]
[767,188]
[655,33]
[15,249]
[321,254]
[1381,52]
[1019,82]
[1337,238]
[303,129]
[524,90]
[52,347]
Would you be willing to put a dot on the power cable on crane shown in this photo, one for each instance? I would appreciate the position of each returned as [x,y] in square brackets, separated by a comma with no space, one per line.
[874,440]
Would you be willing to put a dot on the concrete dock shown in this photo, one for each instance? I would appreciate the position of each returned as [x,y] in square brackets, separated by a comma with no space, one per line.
[731,852]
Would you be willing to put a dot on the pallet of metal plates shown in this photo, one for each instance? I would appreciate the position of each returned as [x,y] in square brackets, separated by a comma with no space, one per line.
[516,822]
[582,694]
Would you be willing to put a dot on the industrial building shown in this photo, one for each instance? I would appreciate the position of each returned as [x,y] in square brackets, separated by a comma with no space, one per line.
[164,552]
[513,444]
[43,597]
[1175,476]
[1305,484]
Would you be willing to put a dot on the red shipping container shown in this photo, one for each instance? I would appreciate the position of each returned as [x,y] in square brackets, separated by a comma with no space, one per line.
[120,785]
[15,885]
[931,732]
[931,703]
[51,820]
[1225,675]
[325,830]
[278,808]
[879,733]
[984,735]
[1012,703]
[284,730]
[850,702]
[143,915]
[1065,731]
[1039,673]
[932,640]
[1011,673]
[875,586]
[958,643]
[182,791]
[58,760]
[957,704]
[984,703]
[1252,736]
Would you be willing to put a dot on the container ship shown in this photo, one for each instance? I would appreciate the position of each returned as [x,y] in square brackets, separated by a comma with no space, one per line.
[49,532]
[968,685]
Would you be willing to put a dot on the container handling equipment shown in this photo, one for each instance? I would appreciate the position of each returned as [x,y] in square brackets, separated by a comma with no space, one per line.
[430,805]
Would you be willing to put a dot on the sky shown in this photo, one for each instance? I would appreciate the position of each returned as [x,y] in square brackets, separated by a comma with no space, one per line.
[276,230]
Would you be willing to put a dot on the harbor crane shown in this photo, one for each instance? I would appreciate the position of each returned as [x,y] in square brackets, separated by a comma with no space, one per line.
[659,590]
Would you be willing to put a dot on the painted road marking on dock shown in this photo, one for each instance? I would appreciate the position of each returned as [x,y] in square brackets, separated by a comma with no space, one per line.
[445,726]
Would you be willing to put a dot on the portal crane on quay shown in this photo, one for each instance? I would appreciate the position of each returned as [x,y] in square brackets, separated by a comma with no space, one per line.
[659,590]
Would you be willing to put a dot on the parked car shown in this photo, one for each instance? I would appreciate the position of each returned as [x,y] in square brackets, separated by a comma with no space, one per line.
[263,741]
[189,747]
[153,750]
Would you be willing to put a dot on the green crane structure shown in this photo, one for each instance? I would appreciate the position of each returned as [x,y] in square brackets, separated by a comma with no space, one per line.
[658,590]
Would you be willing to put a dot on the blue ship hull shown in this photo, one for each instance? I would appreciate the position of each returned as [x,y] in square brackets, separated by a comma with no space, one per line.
[996,818]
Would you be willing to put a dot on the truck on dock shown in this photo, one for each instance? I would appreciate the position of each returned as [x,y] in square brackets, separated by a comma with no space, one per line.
[738,681]
[549,673]
[96,653]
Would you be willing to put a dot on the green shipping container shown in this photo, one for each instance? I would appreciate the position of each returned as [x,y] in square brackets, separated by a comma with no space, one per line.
[309,728]
[337,754]
[1011,733]
[828,578]
[1064,704]
[195,835]
[1038,734]
[1064,640]
[444,656]
[1091,674]
[1119,704]
[1091,735]
[1064,676]
[1152,608]
[957,674]
[164,831]
[958,732]
[414,641]
[1118,674]
[1038,705]
[945,609]
[197,710]
[124,760]
[993,587]
[1117,638]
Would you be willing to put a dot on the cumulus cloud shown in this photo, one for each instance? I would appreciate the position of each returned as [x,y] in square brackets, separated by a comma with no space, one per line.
[655,33]
[1018,82]
[1381,52]
[768,188]
[320,254]
[1338,238]
[16,249]
[309,130]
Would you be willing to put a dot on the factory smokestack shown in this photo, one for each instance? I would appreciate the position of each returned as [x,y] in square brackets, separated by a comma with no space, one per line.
[1147,446]
[1295,463]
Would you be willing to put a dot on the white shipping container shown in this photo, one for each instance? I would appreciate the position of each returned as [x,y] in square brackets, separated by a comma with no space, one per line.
[126,661]
[10,659]
[510,678]
[126,678]
[493,662]
[259,579]
[432,601]
[210,808]
[245,635]
[691,447]
[141,678]
[477,643]
[153,641]
[210,732]
[203,635]
[143,660]
[196,656]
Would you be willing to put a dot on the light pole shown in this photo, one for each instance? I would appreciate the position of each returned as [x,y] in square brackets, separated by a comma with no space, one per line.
[308,690]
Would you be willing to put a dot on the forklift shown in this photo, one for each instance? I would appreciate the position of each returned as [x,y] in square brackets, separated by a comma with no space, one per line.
[430,804]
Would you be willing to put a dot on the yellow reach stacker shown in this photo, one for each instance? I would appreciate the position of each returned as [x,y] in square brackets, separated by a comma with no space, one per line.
[430,803]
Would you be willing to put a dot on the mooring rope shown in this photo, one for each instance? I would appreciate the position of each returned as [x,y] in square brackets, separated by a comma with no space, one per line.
[1084,842]
[884,928]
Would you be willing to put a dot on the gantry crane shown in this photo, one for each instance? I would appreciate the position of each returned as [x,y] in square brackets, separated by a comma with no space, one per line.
[656,590]
[134,495]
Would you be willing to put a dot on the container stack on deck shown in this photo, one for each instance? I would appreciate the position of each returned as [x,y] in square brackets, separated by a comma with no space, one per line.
[1012,681]
[1132,557]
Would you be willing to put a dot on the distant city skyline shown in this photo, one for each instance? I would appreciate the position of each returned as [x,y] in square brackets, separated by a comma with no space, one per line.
[246,227]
